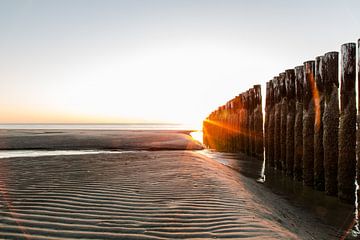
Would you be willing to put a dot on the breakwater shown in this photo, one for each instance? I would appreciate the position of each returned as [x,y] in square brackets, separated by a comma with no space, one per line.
[308,130]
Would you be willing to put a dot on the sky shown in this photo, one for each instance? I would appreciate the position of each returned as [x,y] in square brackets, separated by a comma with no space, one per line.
[103,61]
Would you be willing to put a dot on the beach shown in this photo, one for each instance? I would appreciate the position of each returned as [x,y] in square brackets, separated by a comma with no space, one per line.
[150,185]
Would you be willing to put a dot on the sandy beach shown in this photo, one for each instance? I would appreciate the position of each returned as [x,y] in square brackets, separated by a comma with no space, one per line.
[157,194]
[21,139]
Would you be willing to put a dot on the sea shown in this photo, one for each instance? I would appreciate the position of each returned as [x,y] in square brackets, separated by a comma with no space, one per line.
[195,133]
[120,126]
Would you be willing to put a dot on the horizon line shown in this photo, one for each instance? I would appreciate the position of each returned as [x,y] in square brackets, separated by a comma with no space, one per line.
[124,123]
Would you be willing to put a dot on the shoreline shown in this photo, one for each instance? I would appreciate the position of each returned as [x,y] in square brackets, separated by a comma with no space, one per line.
[69,139]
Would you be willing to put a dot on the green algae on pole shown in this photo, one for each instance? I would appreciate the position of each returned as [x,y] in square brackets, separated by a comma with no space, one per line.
[290,122]
[283,119]
[347,130]
[298,127]
[331,121]
[277,121]
[319,179]
[308,124]
[271,125]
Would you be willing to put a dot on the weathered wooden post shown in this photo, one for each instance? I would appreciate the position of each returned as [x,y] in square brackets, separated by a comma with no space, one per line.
[258,123]
[347,130]
[226,127]
[298,128]
[214,127]
[271,126]
[290,122]
[205,132]
[240,144]
[331,121]
[252,122]
[219,129]
[208,128]
[358,131]
[219,135]
[308,124]
[246,123]
[223,127]
[249,121]
[266,123]
[318,94]
[213,130]
[241,123]
[236,124]
[283,119]
[231,126]
[277,132]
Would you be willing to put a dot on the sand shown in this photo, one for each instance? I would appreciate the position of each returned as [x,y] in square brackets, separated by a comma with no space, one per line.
[97,139]
[142,195]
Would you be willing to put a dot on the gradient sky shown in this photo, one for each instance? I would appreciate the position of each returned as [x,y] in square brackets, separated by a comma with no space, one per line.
[154,61]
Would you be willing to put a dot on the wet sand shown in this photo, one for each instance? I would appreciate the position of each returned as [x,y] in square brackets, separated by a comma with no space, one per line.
[143,195]
[97,139]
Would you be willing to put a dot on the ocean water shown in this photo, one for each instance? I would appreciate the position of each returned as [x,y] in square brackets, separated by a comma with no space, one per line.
[196,135]
[124,126]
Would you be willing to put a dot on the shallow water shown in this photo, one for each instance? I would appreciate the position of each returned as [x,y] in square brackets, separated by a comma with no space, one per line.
[247,166]
[325,208]
[40,153]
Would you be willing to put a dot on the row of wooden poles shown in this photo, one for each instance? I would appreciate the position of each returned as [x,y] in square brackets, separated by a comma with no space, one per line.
[310,133]
[237,126]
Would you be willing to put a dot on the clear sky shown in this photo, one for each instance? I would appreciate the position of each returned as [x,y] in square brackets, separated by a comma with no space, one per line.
[154,61]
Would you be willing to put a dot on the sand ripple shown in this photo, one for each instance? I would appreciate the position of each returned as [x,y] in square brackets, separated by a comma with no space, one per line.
[145,195]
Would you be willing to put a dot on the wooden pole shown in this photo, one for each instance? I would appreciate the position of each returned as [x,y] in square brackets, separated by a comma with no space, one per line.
[347,130]
[236,124]
[258,121]
[358,131]
[246,123]
[298,128]
[266,123]
[251,122]
[277,120]
[331,121]
[283,120]
[308,124]
[271,126]
[241,122]
[319,179]
[290,122]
